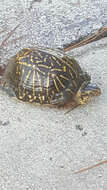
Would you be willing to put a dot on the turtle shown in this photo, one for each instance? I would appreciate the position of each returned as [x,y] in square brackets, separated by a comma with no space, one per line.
[47,76]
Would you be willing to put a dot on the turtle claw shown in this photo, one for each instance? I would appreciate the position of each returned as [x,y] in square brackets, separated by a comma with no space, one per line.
[73,107]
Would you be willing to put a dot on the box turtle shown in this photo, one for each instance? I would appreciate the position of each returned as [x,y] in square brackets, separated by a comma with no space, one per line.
[47,76]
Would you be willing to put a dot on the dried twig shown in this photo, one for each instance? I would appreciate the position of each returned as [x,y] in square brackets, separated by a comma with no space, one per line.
[97,36]
[32,2]
[8,36]
[90,167]
[14,40]
[4,42]
[4,30]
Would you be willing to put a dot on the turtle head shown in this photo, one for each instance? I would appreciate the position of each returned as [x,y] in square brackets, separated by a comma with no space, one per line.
[85,92]
[89,91]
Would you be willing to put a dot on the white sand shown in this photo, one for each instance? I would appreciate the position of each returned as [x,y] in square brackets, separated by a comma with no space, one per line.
[41,148]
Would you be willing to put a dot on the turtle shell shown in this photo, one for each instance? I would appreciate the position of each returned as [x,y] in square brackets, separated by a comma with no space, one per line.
[45,76]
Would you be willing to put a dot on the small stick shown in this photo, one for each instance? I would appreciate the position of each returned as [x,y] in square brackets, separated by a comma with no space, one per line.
[97,36]
[14,40]
[32,2]
[2,31]
[90,167]
[8,36]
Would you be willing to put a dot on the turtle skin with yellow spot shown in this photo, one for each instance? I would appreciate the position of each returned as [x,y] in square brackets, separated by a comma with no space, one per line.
[46,76]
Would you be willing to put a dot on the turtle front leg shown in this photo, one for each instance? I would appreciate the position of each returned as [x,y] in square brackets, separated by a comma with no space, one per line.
[71,106]
[2,69]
